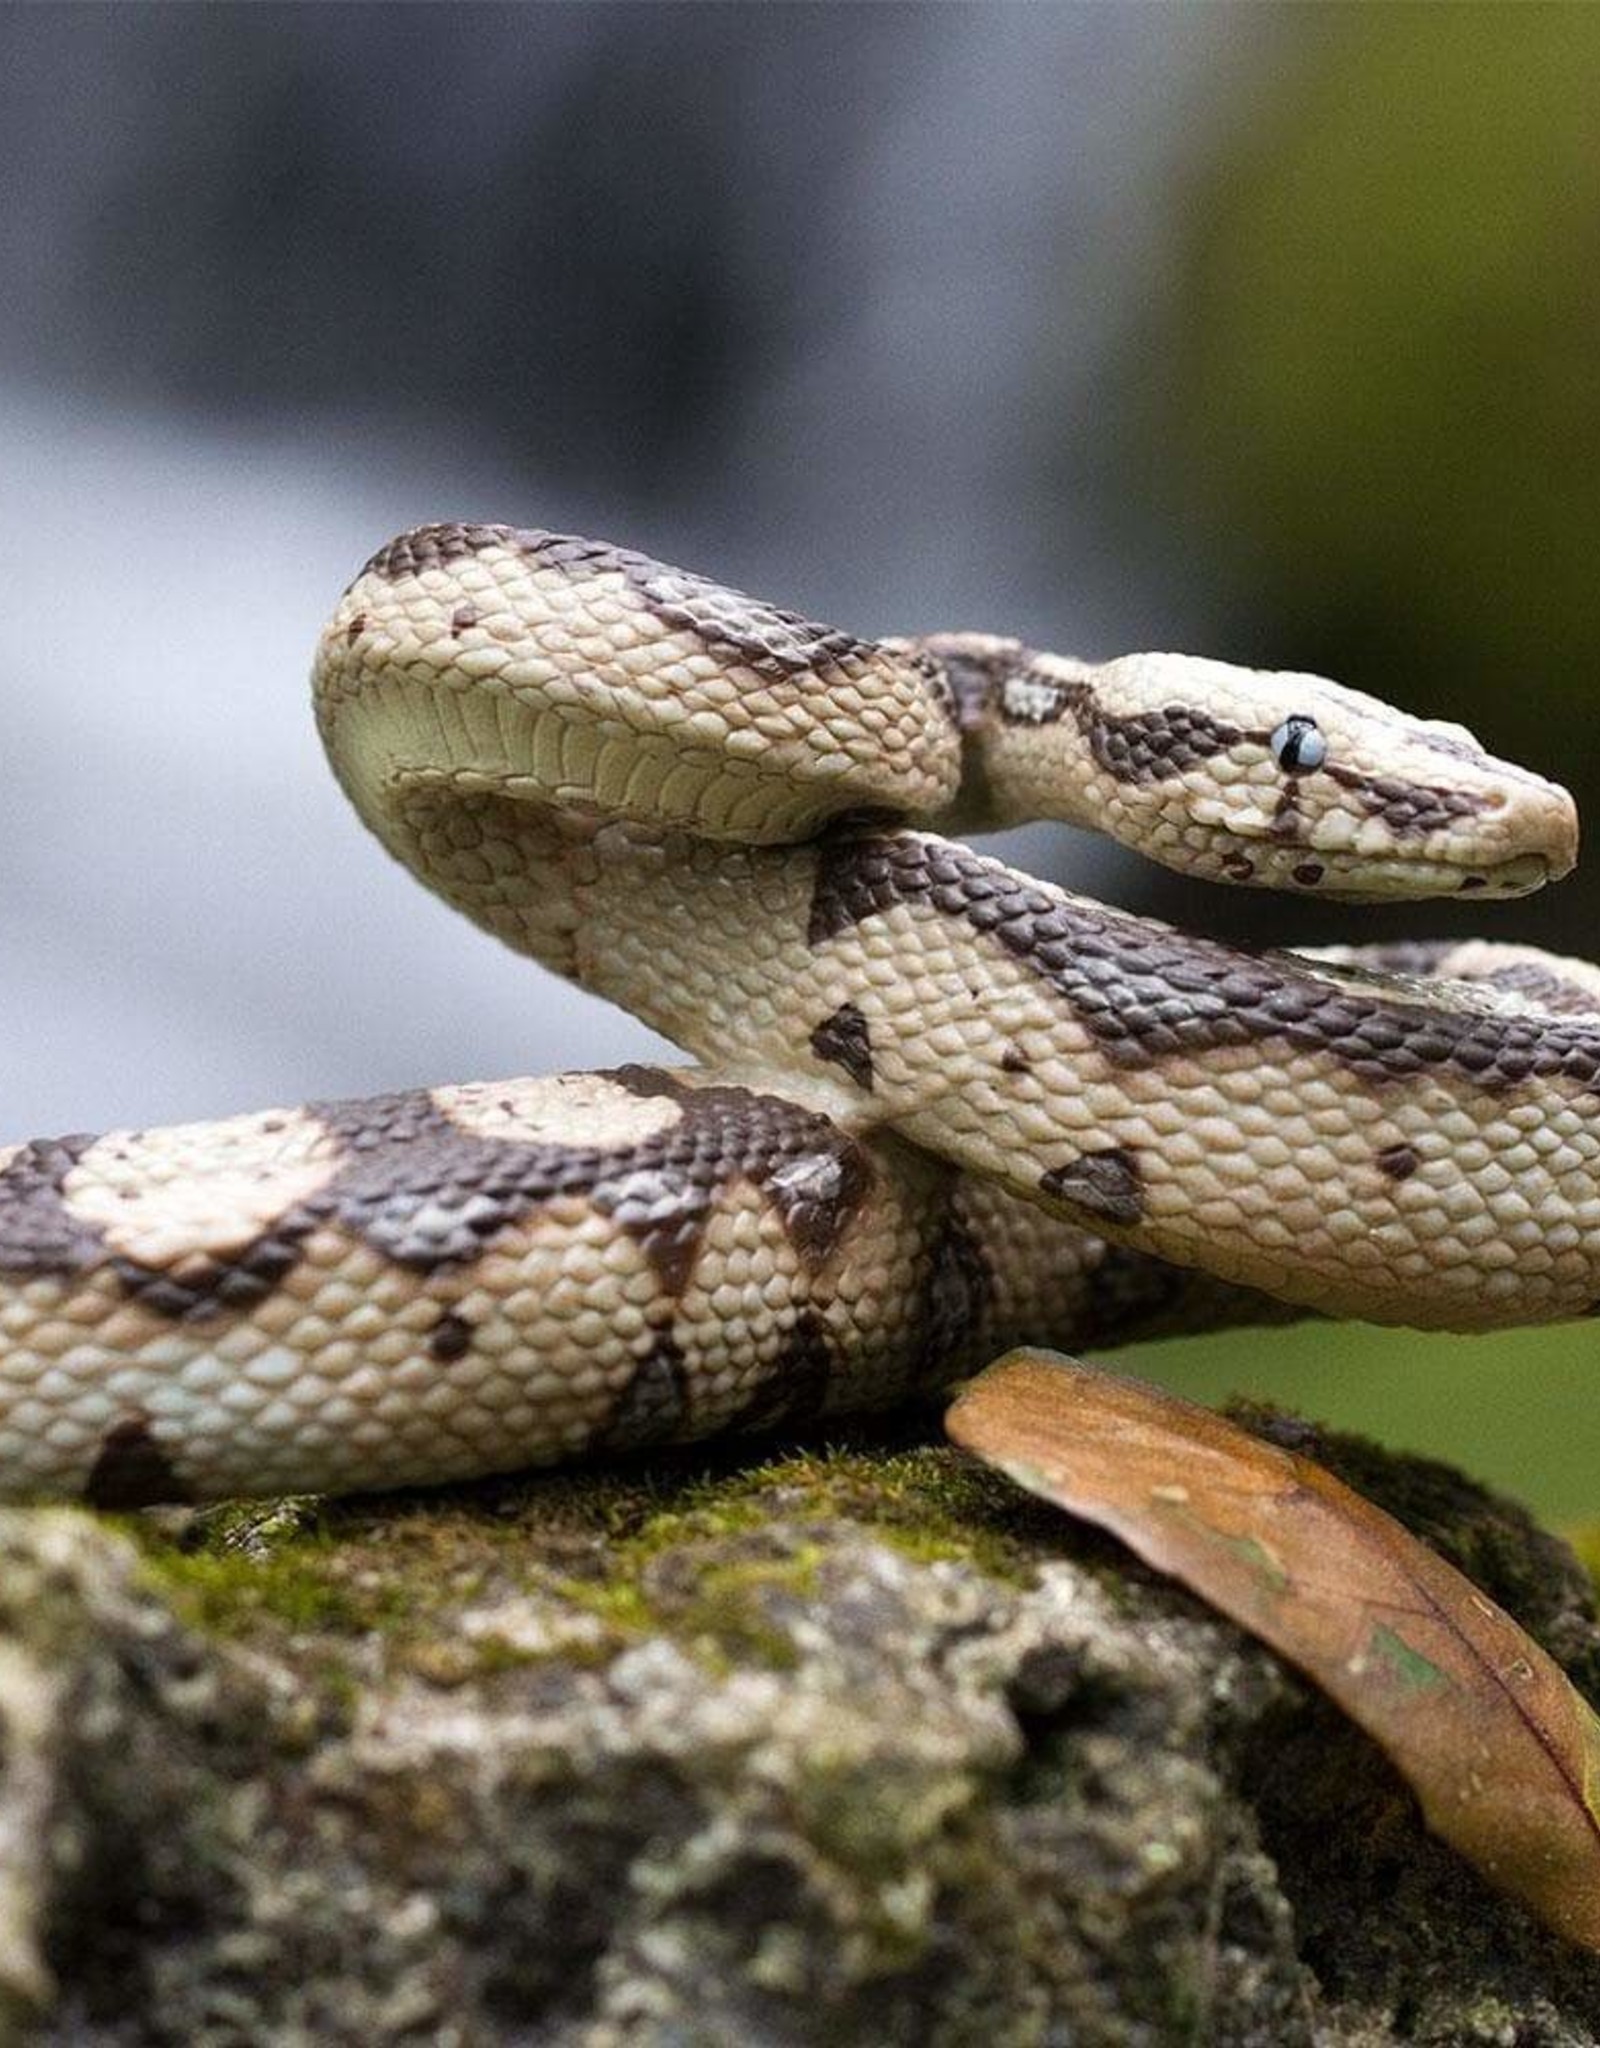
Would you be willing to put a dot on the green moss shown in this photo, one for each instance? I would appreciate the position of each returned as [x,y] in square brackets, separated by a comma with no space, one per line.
[306,1588]
[253,1528]
[724,1612]
[675,1547]
[875,1821]
[681,1546]
[926,1501]
[619,1603]
[448,1660]
[739,1606]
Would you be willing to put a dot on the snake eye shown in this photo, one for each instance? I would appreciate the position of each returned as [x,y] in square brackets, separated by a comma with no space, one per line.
[1298,745]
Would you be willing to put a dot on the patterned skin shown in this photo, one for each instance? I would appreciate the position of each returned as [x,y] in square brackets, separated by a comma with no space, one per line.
[953,1109]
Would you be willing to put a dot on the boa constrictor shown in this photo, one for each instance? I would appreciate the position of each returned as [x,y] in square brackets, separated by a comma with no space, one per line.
[951,1108]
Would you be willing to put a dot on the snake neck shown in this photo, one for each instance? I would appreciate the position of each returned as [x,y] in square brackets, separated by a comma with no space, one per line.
[1027,728]
[1049,736]
[522,870]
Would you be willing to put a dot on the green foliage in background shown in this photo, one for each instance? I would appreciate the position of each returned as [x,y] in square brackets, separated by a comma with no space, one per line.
[1383,421]
[1385,345]
[1519,1409]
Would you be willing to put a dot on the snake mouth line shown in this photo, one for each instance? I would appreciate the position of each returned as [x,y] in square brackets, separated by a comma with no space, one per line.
[1388,881]
[1519,876]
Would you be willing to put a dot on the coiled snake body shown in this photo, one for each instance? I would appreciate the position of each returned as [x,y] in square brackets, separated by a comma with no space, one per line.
[949,1108]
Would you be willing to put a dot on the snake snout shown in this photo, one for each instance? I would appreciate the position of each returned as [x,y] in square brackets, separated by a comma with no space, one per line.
[1566,838]
[1536,827]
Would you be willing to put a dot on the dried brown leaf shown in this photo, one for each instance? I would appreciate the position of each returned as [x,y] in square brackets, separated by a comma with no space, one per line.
[1501,1750]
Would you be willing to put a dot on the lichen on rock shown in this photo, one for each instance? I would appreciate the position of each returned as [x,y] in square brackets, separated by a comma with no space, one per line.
[839,1745]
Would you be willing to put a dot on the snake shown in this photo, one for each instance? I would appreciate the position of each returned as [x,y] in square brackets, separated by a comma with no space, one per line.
[937,1107]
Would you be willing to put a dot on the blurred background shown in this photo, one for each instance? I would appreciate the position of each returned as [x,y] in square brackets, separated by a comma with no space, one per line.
[1269,333]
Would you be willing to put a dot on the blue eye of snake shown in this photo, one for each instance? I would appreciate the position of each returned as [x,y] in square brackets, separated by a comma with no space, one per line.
[1298,745]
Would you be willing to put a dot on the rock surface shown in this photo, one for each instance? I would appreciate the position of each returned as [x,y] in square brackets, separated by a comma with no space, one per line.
[843,1746]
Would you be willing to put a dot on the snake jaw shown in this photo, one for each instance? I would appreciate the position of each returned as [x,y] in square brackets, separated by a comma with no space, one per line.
[1390,881]
[1519,877]
[1353,877]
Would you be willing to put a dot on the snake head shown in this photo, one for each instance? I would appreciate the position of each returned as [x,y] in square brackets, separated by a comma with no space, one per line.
[1274,780]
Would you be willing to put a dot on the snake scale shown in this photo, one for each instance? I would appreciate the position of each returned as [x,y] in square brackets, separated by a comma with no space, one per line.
[946,1108]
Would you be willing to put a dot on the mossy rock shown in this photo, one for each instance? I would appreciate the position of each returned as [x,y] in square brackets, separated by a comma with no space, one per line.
[845,1744]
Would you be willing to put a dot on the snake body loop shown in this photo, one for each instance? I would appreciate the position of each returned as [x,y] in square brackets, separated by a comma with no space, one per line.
[945,1108]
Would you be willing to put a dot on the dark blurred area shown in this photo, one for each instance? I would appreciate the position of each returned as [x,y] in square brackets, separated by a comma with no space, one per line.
[1268,333]
[1380,436]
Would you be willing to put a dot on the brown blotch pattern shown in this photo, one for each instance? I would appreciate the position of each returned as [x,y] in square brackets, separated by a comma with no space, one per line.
[957,1294]
[796,1388]
[775,643]
[1107,1185]
[429,1195]
[434,547]
[38,1232]
[1399,1162]
[1143,746]
[1145,993]
[450,1338]
[202,1286]
[974,673]
[1410,810]
[438,546]
[664,1210]
[1286,818]
[653,1407]
[844,1040]
[132,1470]
[818,1194]
[1152,746]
